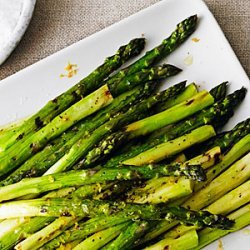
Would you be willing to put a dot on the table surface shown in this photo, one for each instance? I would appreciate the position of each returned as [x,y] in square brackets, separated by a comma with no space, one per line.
[55,26]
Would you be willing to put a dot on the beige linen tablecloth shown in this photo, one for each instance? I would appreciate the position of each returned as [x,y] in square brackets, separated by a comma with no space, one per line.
[59,23]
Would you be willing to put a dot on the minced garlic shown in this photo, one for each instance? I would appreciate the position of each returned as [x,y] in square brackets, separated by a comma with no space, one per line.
[71,70]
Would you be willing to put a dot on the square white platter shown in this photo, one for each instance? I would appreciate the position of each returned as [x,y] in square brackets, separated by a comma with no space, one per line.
[213,62]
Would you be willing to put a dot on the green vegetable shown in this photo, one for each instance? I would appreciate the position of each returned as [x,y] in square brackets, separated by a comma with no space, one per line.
[101,238]
[23,149]
[84,145]
[216,114]
[168,149]
[238,173]
[91,176]
[67,207]
[39,238]
[185,242]
[41,161]
[242,219]
[84,229]
[126,238]
[183,30]
[74,94]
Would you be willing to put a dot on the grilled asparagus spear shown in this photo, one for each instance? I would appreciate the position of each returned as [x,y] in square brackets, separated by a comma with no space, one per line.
[100,239]
[74,94]
[186,241]
[41,161]
[23,149]
[214,115]
[183,30]
[241,218]
[68,207]
[99,175]
[148,125]
[83,145]
[126,238]
[84,229]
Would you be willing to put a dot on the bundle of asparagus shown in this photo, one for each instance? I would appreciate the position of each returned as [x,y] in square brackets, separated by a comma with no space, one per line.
[114,164]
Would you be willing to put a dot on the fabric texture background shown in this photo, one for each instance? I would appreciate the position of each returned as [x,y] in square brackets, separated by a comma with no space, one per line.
[59,23]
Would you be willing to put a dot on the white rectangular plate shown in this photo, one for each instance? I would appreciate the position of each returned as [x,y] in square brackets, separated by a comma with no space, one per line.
[213,62]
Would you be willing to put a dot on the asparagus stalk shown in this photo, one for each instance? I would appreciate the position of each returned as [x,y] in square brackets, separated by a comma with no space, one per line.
[6,225]
[149,74]
[69,117]
[153,184]
[14,230]
[183,30]
[100,239]
[236,198]
[17,229]
[117,191]
[91,176]
[189,106]
[23,149]
[183,110]
[47,233]
[212,115]
[237,151]
[206,160]
[169,189]
[56,226]
[188,93]
[177,187]
[238,173]
[66,207]
[174,114]
[228,139]
[84,229]
[88,191]
[69,245]
[82,146]
[74,94]
[219,110]
[168,149]
[22,230]
[62,192]
[219,92]
[224,205]
[185,242]
[127,237]
[149,124]
[166,189]
[41,161]
[157,229]
[241,218]
[10,126]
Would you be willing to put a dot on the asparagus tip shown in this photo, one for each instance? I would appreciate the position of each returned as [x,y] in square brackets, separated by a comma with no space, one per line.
[196,172]
[175,70]
[219,92]
[189,23]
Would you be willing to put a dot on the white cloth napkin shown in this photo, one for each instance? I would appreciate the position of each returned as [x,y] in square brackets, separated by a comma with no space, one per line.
[15,16]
